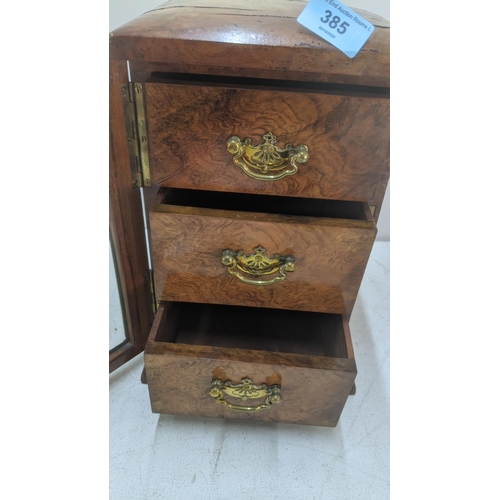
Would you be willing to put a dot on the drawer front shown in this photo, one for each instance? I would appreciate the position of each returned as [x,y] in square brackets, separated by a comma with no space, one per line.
[185,379]
[195,258]
[347,139]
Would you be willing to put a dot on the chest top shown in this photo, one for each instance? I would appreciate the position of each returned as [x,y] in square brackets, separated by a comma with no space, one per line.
[249,39]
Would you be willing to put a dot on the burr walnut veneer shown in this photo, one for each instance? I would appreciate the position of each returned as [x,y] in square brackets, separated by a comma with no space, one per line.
[262,152]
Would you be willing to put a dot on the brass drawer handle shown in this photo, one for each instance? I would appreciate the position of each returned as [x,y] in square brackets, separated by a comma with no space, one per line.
[266,162]
[245,390]
[257,264]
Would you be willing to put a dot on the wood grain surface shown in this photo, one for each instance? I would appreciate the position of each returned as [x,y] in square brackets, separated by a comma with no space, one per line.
[314,389]
[249,37]
[330,257]
[347,137]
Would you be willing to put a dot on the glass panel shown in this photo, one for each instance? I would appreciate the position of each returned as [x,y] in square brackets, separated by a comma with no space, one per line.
[116,325]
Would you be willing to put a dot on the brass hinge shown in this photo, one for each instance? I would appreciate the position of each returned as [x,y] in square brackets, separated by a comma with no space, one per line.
[137,138]
[150,285]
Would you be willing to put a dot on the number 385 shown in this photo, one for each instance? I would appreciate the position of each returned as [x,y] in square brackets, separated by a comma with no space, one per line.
[334,22]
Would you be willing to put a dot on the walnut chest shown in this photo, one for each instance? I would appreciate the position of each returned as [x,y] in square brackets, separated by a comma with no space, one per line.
[259,154]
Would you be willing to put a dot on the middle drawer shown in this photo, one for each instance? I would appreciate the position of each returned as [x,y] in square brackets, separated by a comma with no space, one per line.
[274,252]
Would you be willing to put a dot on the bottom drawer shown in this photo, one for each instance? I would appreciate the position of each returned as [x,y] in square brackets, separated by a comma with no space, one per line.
[251,363]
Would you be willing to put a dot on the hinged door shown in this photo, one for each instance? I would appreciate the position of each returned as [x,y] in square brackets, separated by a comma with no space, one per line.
[127,222]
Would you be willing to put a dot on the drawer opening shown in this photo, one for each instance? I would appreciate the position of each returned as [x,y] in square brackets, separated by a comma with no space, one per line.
[267,83]
[272,330]
[280,205]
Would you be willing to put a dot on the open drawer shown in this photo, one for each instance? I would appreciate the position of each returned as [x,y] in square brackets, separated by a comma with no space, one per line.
[199,134]
[259,251]
[239,362]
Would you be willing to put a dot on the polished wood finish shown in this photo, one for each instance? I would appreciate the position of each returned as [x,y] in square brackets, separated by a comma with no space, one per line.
[250,37]
[211,71]
[330,257]
[126,229]
[314,386]
[347,137]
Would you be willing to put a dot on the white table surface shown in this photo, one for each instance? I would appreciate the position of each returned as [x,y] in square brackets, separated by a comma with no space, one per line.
[169,457]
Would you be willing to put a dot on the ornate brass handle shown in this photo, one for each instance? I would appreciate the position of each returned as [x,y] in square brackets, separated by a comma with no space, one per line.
[266,162]
[257,264]
[245,390]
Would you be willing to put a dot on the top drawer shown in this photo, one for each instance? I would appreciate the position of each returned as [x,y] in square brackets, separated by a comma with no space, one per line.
[347,138]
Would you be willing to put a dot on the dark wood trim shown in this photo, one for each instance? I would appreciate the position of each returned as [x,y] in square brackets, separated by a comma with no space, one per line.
[122,354]
[126,229]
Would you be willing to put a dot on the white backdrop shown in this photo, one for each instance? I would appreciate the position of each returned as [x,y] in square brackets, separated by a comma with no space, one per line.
[122,11]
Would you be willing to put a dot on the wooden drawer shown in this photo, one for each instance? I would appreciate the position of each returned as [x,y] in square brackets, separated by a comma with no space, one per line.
[307,359]
[191,234]
[347,137]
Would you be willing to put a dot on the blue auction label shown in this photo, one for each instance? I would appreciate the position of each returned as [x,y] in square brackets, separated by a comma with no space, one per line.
[337,24]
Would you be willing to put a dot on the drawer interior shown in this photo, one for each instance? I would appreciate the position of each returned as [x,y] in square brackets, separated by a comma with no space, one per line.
[281,205]
[272,330]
